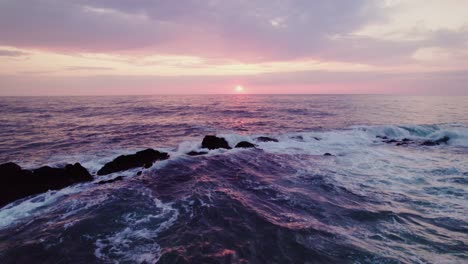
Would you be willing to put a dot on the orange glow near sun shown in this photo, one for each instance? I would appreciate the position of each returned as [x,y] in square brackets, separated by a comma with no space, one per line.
[239,89]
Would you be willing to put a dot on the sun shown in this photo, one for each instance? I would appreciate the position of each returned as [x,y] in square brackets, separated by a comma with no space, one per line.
[239,89]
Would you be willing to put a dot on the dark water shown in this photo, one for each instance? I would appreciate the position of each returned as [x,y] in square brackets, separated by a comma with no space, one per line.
[280,203]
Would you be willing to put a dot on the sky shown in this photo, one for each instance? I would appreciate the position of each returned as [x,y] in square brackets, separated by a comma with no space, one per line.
[114,47]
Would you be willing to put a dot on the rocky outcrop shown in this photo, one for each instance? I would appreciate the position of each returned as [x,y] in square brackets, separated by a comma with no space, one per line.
[214,142]
[266,139]
[144,158]
[244,144]
[16,183]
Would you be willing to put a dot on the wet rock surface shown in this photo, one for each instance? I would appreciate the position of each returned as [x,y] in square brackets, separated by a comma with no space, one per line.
[244,144]
[214,142]
[144,158]
[266,139]
[17,183]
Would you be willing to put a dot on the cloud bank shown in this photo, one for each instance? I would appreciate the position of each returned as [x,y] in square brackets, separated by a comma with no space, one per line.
[138,38]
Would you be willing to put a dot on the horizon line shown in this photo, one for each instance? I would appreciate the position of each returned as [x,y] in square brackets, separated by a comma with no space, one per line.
[234,94]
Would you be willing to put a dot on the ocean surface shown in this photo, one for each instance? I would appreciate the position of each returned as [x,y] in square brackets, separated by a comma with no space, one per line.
[282,202]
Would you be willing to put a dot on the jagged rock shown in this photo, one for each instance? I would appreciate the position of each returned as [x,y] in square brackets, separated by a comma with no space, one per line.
[16,183]
[266,139]
[213,142]
[244,144]
[119,178]
[144,158]
[197,153]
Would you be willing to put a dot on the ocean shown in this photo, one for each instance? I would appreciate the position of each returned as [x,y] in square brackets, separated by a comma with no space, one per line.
[374,199]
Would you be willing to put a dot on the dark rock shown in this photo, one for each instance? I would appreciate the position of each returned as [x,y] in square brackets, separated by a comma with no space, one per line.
[381,137]
[144,158]
[429,143]
[443,140]
[266,139]
[244,144]
[197,153]
[316,138]
[16,183]
[403,142]
[119,178]
[139,173]
[328,154]
[213,142]
[10,168]
[299,138]
[67,175]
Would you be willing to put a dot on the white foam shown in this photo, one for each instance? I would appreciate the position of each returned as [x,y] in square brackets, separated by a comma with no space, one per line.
[34,205]
[136,242]
[357,147]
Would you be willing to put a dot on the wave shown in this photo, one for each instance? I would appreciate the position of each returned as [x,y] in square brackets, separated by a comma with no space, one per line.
[280,202]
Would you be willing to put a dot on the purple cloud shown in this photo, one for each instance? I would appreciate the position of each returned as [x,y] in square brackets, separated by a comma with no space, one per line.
[11,53]
[245,30]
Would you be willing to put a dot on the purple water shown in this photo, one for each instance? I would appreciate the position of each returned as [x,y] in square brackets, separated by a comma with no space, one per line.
[284,202]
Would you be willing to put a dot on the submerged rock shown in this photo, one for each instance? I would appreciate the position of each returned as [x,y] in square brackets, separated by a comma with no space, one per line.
[197,153]
[214,142]
[144,158]
[382,137]
[407,141]
[298,138]
[244,144]
[328,154]
[119,178]
[266,139]
[443,140]
[404,142]
[16,183]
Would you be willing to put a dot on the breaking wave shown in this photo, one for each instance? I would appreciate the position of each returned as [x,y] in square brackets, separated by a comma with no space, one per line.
[283,202]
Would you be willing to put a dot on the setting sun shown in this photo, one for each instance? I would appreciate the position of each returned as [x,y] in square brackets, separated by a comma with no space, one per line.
[239,88]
